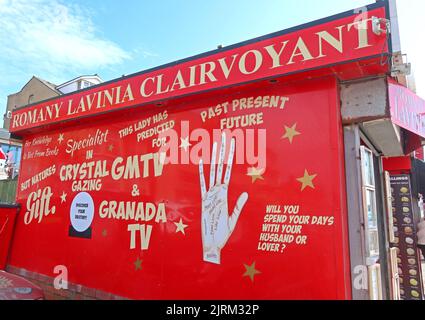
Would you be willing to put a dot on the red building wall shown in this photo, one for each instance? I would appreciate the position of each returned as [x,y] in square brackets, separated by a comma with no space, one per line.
[170,263]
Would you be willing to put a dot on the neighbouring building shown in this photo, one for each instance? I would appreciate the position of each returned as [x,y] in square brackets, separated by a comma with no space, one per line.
[79,83]
[36,89]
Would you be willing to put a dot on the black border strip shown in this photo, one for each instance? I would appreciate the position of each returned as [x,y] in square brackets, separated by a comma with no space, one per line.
[9,205]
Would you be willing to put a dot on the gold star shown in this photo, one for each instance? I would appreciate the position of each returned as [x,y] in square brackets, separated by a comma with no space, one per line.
[185,143]
[63,197]
[307,180]
[180,226]
[60,139]
[255,174]
[104,232]
[138,264]
[111,147]
[250,271]
[290,133]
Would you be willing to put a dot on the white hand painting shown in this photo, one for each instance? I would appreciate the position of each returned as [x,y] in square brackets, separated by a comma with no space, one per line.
[217,224]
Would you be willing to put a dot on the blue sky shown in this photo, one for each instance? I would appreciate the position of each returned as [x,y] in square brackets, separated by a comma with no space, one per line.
[58,40]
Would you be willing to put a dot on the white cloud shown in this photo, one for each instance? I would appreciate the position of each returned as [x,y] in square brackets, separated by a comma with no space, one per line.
[47,37]
[143,53]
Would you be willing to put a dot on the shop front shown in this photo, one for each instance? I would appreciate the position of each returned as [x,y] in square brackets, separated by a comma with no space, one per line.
[406,175]
[227,175]
[380,138]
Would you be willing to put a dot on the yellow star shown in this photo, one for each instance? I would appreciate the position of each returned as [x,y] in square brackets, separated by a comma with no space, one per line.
[63,197]
[255,174]
[307,180]
[180,226]
[60,139]
[290,133]
[138,264]
[185,143]
[111,147]
[250,271]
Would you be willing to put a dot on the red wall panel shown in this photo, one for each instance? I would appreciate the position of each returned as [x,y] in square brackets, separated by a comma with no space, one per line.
[301,166]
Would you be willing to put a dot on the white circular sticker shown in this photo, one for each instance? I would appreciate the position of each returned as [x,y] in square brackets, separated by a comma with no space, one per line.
[82,211]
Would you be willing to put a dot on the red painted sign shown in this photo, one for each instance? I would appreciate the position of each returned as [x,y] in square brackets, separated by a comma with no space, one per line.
[131,204]
[397,164]
[407,108]
[341,39]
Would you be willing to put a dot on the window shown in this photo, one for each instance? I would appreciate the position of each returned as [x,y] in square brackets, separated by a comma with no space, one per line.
[369,203]
[370,209]
[368,168]
[31,99]
[375,290]
[84,84]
